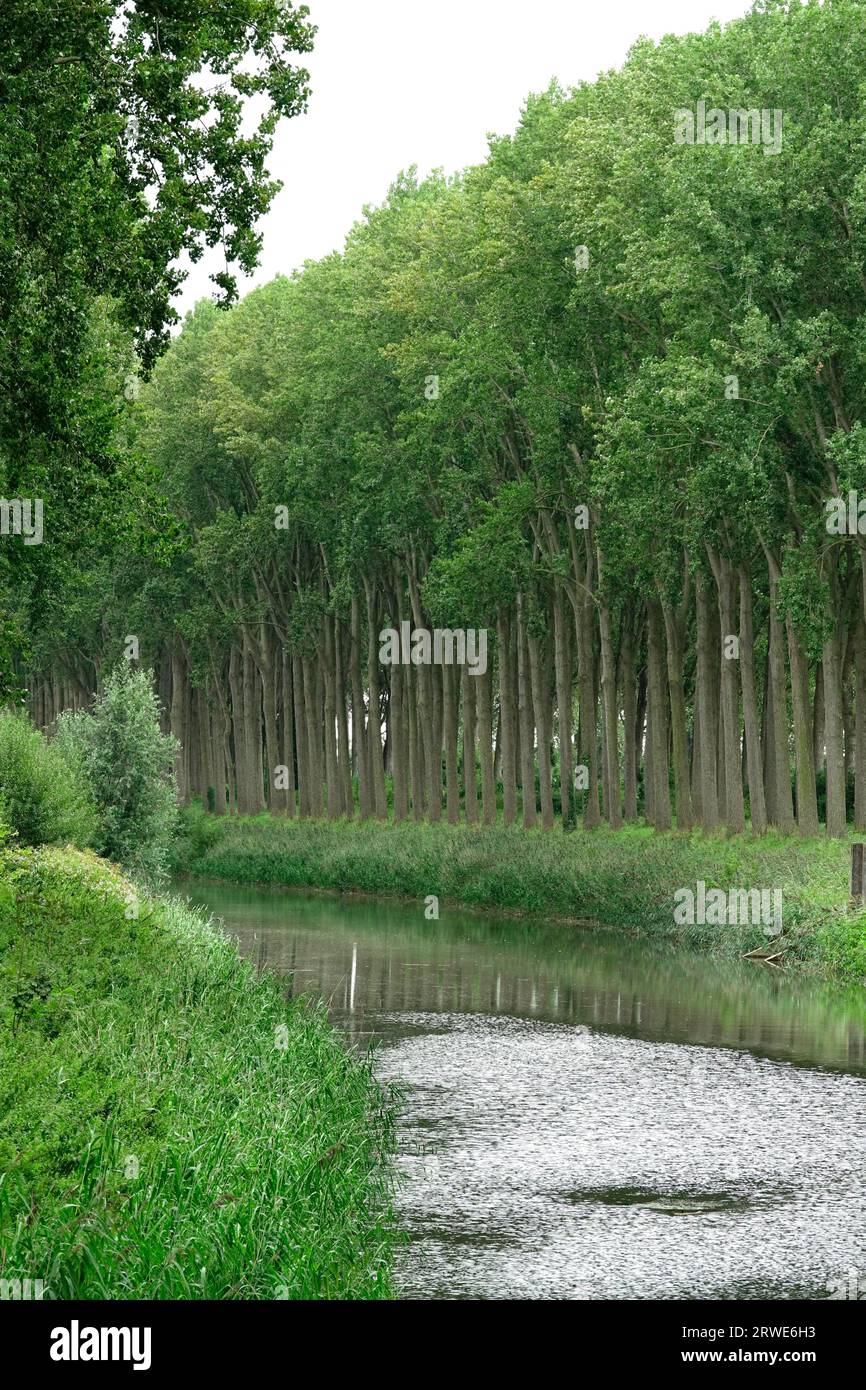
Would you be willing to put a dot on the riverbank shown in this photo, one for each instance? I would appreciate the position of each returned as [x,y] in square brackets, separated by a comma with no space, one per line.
[173,1127]
[628,878]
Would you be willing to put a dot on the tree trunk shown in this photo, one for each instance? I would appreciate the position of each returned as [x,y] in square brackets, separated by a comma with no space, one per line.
[254,723]
[484,705]
[507,722]
[428,716]
[449,705]
[807,801]
[674,632]
[610,714]
[818,729]
[849,641]
[527,725]
[832,665]
[398,712]
[707,698]
[470,789]
[860,728]
[641,737]
[239,738]
[416,749]
[276,799]
[287,731]
[218,732]
[374,735]
[587,729]
[313,735]
[628,686]
[348,797]
[540,700]
[782,797]
[661,806]
[327,663]
[757,804]
[359,732]
[735,818]
[562,664]
[303,748]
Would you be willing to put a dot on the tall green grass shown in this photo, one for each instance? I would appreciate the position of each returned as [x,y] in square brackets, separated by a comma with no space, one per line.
[172,1126]
[625,878]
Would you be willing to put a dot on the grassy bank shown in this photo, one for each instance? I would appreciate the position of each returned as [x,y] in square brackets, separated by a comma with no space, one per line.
[171,1126]
[626,879]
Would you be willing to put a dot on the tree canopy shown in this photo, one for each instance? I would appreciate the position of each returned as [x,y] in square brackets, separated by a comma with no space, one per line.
[593,394]
[130,134]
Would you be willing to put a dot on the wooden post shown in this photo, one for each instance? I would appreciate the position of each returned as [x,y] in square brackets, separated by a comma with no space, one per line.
[857,883]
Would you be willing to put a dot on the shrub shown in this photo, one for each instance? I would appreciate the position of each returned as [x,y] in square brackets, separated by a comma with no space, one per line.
[44,798]
[128,763]
[197,833]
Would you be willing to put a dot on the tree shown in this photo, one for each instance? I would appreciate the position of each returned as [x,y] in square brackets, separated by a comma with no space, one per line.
[128,764]
[123,146]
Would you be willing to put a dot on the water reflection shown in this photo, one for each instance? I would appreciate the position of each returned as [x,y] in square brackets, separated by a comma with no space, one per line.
[588,1116]
[370,959]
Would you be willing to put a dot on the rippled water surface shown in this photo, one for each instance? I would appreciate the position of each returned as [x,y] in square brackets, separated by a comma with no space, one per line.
[587,1117]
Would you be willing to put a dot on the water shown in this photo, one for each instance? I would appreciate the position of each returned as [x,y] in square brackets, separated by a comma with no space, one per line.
[588,1117]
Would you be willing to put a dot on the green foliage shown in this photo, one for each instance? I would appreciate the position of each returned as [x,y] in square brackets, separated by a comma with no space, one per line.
[44,799]
[132,136]
[196,834]
[557,386]
[624,879]
[841,941]
[131,1030]
[604,384]
[128,762]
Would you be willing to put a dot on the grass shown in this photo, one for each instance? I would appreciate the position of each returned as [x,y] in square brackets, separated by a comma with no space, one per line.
[172,1127]
[625,878]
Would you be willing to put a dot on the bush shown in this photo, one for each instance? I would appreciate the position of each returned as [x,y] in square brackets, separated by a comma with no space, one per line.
[44,798]
[197,834]
[128,763]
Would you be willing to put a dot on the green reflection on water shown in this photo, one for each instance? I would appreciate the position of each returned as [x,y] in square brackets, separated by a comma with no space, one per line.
[370,958]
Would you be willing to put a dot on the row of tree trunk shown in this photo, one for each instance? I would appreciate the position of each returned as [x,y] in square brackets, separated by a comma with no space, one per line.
[689,712]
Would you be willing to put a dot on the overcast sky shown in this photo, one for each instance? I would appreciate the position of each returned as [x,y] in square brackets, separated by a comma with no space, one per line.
[401,82]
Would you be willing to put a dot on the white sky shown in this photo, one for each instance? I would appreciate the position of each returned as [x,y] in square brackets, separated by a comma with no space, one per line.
[401,82]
